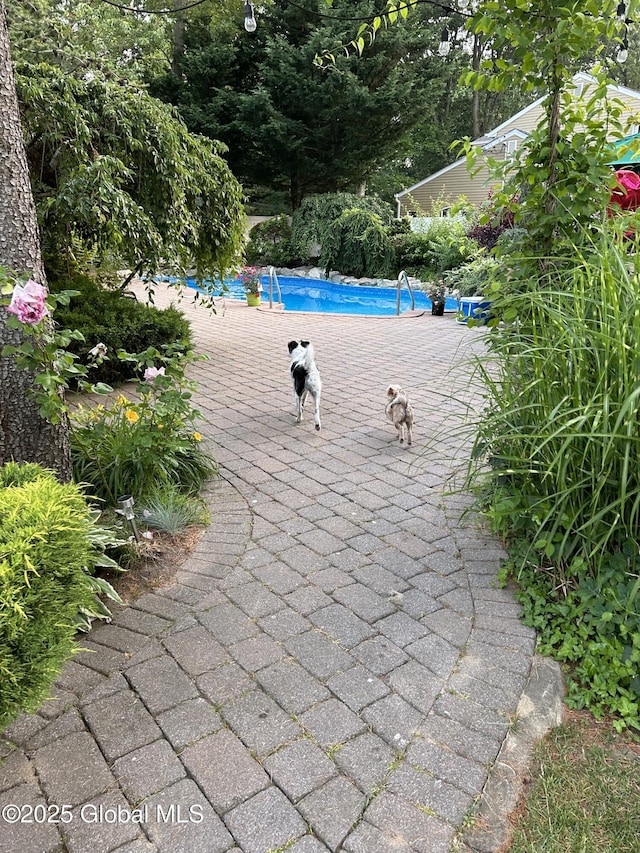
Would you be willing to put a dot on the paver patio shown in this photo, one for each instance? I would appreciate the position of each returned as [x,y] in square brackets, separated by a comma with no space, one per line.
[334,668]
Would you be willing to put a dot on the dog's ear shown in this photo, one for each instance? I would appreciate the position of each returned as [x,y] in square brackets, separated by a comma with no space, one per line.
[391,391]
[304,344]
[292,345]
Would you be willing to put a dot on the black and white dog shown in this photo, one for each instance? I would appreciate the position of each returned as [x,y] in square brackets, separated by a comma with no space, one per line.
[306,378]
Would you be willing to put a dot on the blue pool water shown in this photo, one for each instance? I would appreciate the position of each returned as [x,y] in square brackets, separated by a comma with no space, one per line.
[326,297]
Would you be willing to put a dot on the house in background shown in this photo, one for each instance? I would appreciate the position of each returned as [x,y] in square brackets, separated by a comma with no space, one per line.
[444,187]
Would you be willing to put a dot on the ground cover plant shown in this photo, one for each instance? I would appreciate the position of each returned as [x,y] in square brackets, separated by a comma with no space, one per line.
[561,433]
[50,548]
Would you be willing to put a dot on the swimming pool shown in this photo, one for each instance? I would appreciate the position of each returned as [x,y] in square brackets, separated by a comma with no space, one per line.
[326,297]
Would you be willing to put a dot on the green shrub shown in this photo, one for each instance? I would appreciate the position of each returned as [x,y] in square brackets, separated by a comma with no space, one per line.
[444,245]
[49,548]
[317,213]
[357,244]
[118,321]
[560,432]
[472,278]
[270,243]
[130,447]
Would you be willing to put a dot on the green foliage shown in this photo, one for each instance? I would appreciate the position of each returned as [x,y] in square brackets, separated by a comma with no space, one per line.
[316,215]
[118,321]
[270,243]
[130,447]
[171,511]
[117,171]
[95,35]
[357,244]
[560,179]
[287,125]
[472,278]
[49,548]
[43,350]
[442,246]
[561,433]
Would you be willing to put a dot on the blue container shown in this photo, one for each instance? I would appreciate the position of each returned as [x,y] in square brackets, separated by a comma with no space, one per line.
[473,307]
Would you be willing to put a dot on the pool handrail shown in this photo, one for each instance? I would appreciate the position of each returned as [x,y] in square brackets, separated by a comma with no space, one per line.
[403,277]
[273,277]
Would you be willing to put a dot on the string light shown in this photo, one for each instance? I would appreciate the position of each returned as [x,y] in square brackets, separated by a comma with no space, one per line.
[445,45]
[249,18]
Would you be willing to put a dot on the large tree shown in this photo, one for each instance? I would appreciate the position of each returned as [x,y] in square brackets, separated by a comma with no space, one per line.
[288,123]
[24,435]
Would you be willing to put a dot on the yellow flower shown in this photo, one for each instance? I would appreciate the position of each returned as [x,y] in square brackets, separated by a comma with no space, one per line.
[131,416]
[121,400]
[197,436]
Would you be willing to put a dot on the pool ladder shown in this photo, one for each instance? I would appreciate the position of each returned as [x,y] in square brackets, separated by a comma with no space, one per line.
[273,277]
[403,278]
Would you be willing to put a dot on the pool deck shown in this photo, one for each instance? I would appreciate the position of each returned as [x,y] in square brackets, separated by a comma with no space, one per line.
[334,667]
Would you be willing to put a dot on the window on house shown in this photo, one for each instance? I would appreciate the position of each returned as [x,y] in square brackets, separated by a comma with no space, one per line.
[446,211]
[510,147]
[578,90]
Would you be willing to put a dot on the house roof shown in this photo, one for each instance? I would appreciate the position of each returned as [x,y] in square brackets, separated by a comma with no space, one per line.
[494,137]
[485,142]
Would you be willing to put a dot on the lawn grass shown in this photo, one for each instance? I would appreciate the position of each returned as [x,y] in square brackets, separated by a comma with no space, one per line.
[584,792]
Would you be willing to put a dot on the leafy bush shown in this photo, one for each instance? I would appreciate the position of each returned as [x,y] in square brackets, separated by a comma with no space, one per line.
[129,447]
[119,322]
[357,244]
[317,213]
[444,245]
[561,432]
[271,243]
[472,278]
[49,548]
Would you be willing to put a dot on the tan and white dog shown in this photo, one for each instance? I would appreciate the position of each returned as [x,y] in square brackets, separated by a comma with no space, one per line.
[399,411]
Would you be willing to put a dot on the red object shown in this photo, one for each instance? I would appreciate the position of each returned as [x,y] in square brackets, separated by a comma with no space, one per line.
[627,194]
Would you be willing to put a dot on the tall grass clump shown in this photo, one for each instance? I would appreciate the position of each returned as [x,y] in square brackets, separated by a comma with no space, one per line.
[561,435]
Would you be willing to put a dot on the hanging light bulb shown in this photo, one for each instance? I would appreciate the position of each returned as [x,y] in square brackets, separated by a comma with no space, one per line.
[623,53]
[463,4]
[249,18]
[445,45]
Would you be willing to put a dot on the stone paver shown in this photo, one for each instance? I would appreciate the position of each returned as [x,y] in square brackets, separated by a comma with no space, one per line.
[333,666]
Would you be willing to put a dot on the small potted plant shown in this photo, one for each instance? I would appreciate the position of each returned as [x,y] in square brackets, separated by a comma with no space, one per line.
[250,278]
[437,291]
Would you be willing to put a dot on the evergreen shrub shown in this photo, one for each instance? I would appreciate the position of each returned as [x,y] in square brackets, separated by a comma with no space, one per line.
[49,548]
[118,321]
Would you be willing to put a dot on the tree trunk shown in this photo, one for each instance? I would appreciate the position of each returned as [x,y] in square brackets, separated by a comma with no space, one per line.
[177,48]
[24,435]
[475,64]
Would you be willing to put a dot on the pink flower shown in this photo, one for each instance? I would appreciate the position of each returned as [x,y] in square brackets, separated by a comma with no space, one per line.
[151,373]
[28,302]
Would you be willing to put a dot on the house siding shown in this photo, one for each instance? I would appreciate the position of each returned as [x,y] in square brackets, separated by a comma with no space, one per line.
[526,122]
[447,186]
[445,189]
